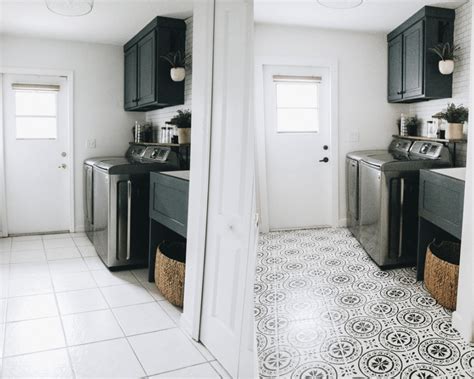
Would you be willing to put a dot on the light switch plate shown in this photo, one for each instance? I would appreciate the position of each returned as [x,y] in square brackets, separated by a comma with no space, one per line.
[91,144]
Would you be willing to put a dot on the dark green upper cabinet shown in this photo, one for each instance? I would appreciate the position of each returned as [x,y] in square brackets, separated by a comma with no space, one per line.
[413,73]
[148,84]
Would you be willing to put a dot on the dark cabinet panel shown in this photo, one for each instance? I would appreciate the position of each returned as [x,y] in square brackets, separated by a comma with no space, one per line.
[146,69]
[413,73]
[148,84]
[395,72]
[413,61]
[130,95]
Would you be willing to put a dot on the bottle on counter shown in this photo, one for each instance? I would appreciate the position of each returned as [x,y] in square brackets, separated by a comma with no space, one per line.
[137,132]
[403,126]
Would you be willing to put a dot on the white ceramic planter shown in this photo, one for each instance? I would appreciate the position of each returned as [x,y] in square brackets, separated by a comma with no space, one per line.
[178,74]
[446,67]
[184,135]
[454,131]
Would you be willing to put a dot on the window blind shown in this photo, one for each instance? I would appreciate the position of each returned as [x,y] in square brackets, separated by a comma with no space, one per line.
[35,87]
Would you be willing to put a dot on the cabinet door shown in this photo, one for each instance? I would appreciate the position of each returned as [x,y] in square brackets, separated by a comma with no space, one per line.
[395,70]
[413,61]
[146,69]
[130,88]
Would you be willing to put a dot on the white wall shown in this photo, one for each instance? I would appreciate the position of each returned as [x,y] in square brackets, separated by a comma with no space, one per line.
[462,37]
[160,116]
[366,120]
[98,95]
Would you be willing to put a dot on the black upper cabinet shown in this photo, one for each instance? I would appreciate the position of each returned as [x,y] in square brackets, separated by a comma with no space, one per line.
[148,84]
[413,73]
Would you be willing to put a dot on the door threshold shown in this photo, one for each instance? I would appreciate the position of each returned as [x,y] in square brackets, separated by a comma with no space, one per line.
[302,228]
[38,233]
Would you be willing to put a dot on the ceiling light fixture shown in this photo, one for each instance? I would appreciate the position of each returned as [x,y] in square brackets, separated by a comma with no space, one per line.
[71,8]
[340,4]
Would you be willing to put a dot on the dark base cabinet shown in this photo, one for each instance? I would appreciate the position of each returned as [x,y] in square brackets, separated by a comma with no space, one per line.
[148,84]
[413,73]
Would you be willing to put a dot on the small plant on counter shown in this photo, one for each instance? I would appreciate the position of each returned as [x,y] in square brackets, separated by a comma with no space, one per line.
[455,116]
[412,124]
[182,121]
[447,53]
[178,61]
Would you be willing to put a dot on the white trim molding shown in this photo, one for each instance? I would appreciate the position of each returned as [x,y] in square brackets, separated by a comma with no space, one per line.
[262,188]
[69,75]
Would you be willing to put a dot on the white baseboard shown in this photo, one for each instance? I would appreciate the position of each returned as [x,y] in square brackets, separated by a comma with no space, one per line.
[464,327]
[343,222]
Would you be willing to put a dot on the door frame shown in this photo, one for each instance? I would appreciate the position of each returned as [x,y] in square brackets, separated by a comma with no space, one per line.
[260,139]
[69,75]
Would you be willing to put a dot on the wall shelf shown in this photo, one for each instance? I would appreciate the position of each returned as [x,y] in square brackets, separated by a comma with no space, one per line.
[413,138]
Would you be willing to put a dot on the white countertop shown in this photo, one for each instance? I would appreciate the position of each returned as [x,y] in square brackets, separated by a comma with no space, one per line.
[178,174]
[455,172]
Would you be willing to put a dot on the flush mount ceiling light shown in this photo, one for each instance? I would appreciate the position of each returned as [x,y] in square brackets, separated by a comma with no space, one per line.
[70,8]
[340,4]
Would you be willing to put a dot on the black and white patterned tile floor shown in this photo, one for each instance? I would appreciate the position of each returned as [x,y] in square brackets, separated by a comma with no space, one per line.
[323,309]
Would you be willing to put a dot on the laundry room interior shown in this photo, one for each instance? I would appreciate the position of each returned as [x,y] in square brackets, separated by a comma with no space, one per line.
[236,189]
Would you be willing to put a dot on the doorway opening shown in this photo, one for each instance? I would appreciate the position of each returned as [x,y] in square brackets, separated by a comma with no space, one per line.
[37,169]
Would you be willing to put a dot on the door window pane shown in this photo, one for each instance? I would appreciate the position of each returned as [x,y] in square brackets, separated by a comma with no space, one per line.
[36,114]
[297,105]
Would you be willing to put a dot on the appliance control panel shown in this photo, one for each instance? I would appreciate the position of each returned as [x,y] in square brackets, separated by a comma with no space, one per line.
[400,146]
[156,153]
[429,150]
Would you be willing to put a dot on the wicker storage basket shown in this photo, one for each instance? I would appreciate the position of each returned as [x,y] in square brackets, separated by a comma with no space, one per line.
[169,271]
[442,272]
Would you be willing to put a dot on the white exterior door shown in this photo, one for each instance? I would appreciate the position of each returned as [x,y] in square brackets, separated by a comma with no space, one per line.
[36,153]
[227,322]
[298,151]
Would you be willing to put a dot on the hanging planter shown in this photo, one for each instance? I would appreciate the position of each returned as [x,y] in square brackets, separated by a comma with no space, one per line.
[447,53]
[177,60]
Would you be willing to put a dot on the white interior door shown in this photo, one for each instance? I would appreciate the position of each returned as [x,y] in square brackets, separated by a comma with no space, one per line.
[229,267]
[298,149]
[36,153]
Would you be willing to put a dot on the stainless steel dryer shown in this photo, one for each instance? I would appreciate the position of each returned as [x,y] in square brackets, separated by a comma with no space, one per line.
[389,199]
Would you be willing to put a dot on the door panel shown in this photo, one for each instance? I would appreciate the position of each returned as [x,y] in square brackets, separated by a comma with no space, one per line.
[395,70]
[299,184]
[413,61]
[146,69]
[37,174]
[131,70]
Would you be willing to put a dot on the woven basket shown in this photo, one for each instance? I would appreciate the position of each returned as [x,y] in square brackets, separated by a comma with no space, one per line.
[169,277]
[442,272]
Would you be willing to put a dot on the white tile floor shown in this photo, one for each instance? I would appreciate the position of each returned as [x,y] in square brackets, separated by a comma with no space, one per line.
[63,314]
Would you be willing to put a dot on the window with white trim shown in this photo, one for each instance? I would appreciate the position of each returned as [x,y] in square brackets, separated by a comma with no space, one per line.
[36,111]
[297,103]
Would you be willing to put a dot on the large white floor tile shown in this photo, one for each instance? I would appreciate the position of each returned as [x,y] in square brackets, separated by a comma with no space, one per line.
[62,253]
[164,351]
[90,327]
[58,242]
[31,307]
[20,256]
[126,294]
[73,281]
[2,339]
[94,263]
[106,278]
[25,270]
[81,301]
[33,285]
[88,251]
[56,236]
[82,241]
[5,257]
[30,336]
[199,371]
[108,359]
[34,237]
[48,364]
[3,310]
[173,311]
[5,244]
[142,318]
[27,245]
[64,266]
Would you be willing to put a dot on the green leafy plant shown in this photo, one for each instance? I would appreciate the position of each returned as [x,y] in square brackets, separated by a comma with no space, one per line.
[455,114]
[412,124]
[446,51]
[182,119]
[176,58]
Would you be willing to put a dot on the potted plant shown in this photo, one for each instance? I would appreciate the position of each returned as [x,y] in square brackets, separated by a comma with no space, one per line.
[412,124]
[455,116]
[447,53]
[182,121]
[177,60]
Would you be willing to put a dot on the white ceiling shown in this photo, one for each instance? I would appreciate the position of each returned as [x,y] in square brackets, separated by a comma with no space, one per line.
[111,21]
[372,15]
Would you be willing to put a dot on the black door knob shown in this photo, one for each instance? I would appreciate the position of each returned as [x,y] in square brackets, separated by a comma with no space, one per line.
[325,147]
[325,160]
